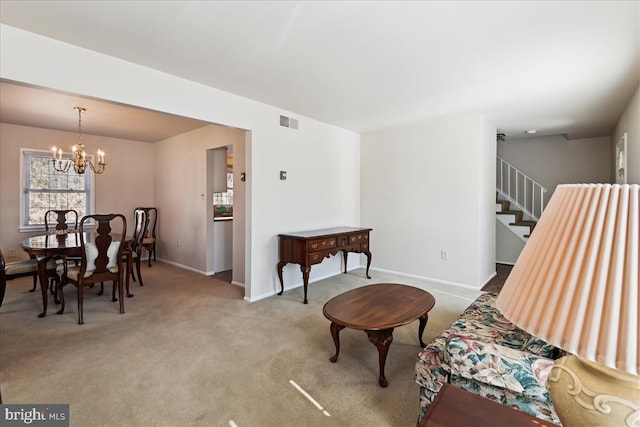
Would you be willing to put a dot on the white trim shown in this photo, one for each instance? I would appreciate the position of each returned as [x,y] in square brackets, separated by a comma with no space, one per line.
[431,279]
[299,284]
[182,266]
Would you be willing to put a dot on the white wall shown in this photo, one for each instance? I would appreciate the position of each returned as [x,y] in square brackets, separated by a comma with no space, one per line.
[630,123]
[508,245]
[322,161]
[129,166]
[428,187]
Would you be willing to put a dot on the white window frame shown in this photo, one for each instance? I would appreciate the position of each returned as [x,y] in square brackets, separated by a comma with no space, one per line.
[24,209]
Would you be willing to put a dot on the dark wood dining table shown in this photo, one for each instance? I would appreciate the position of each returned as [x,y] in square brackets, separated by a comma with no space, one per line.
[45,246]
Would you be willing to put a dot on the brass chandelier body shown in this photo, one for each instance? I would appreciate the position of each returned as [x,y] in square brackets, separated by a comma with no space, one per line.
[79,160]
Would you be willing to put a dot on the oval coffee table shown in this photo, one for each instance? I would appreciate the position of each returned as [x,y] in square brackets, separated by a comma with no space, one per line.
[377,310]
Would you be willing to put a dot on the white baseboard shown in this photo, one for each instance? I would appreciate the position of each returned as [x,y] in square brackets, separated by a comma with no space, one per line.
[431,279]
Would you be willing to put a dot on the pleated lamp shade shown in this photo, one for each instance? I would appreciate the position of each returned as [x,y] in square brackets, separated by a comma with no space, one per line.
[575,284]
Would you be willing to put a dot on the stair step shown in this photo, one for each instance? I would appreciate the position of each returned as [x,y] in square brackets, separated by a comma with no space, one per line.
[530,224]
[504,203]
[516,213]
[505,209]
[525,223]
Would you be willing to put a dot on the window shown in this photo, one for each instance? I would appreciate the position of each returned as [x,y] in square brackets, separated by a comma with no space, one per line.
[45,188]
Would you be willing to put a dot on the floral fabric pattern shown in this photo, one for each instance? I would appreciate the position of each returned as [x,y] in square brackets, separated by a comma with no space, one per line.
[486,354]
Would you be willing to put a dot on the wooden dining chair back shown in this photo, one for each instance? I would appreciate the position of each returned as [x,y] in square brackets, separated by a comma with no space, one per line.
[24,268]
[102,259]
[58,221]
[141,225]
[149,237]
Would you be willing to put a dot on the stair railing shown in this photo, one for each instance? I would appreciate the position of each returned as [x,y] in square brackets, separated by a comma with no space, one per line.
[525,193]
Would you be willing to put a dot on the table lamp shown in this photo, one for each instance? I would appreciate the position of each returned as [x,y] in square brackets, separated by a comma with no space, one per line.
[575,285]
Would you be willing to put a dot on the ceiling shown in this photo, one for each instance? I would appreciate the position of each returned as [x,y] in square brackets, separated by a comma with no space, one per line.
[48,109]
[561,67]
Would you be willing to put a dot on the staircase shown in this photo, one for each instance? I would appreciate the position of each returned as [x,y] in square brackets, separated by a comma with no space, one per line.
[514,219]
[519,200]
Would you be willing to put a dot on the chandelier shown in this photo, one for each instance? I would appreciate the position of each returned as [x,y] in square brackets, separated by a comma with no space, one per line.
[79,160]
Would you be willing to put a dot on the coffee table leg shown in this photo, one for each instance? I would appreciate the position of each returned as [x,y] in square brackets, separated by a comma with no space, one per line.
[335,334]
[382,340]
[423,324]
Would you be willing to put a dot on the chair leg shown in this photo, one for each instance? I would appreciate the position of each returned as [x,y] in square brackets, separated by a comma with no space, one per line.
[53,288]
[35,283]
[120,295]
[80,304]
[3,288]
[60,297]
[138,270]
[154,252]
[150,250]
[113,292]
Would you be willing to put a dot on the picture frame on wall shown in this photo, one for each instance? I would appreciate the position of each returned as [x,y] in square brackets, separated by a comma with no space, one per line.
[621,160]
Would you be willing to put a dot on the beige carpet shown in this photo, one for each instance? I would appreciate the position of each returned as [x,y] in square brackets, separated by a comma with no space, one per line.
[189,351]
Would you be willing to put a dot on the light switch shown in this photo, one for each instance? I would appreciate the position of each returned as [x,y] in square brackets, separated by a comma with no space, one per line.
[283,175]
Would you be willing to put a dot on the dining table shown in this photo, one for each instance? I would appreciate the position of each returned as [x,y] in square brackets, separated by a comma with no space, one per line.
[46,246]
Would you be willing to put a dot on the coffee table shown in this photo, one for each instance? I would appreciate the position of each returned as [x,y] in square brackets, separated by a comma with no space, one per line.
[377,310]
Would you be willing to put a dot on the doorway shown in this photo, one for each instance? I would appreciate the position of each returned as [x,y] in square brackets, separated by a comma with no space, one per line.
[220,213]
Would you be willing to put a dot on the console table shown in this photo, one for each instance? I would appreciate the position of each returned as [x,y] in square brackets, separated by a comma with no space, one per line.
[307,248]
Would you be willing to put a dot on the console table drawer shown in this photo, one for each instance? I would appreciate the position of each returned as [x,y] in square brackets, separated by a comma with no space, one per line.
[317,257]
[358,238]
[322,244]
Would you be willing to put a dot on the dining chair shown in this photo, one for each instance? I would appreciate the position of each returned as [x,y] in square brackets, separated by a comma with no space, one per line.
[149,237]
[142,223]
[57,221]
[101,260]
[25,268]
[134,251]
[63,218]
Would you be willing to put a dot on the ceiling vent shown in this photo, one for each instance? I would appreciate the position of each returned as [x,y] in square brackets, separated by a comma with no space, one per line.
[288,122]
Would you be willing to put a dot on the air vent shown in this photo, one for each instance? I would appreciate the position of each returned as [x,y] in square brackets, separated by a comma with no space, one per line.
[288,122]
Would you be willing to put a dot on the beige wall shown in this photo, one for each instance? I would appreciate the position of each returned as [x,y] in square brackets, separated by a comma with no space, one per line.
[629,123]
[184,202]
[126,183]
[553,160]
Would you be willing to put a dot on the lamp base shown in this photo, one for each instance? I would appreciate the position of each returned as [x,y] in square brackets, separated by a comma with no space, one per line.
[586,393]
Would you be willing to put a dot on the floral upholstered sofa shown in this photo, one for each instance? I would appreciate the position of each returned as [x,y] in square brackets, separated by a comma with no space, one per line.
[484,353]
